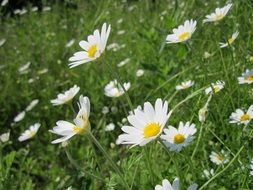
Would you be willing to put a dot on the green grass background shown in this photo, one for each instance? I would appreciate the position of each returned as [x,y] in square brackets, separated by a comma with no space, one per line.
[40,37]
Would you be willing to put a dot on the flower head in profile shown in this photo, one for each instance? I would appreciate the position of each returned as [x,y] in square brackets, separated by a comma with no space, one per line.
[114,89]
[230,40]
[215,87]
[5,137]
[185,85]
[166,185]
[219,14]
[176,139]
[183,32]
[247,77]
[81,124]
[219,158]
[65,97]
[92,48]
[29,133]
[146,124]
[240,117]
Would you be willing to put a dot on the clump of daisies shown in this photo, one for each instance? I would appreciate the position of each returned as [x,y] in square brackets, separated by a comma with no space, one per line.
[215,87]
[230,40]
[92,48]
[247,77]
[81,124]
[219,158]
[176,139]
[66,97]
[29,133]
[184,85]
[114,89]
[183,32]
[145,124]
[166,185]
[242,117]
[219,14]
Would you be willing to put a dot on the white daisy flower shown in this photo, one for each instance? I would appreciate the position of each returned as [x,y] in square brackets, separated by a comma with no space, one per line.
[208,173]
[22,12]
[46,9]
[34,9]
[230,40]
[105,110]
[122,63]
[166,185]
[240,117]
[219,14]
[4,2]
[2,41]
[19,117]
[80,126]
[121,32]
[110,127]
[24,68]
[146,124]
[5,137]
[140,72]
[251,167]
[113,46]
[215,87]
[70,43]
[65,97]
[176,139]
[93,47]
[32,105]
[16,11]
[113,88]
[183,32]
[247,77]
[219,158]
[185,85]
[42,71]
[29,133]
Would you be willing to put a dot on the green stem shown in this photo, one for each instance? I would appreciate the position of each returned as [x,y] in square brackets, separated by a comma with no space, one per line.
[114,166]
[222,171]
[149,165]
[75,164]
[198,141]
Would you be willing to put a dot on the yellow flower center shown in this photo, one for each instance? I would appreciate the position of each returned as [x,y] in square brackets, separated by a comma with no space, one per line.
[250,78]
[219,17]
[219,157]
[92,51]
[78,130]
[216,89]
[179,138]
[184,36]
[245,117]
[151,130]
[231,40]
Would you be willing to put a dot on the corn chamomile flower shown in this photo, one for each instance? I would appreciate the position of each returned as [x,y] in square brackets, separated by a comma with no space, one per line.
[5,137]
[80,126]
[240,117]
[219,158]
[183,32]
[176,139]
[219,14]
[166,185]
[65,97]
[247,77]
[32,105]
[215,87]
[110,127]
[19,117]
[230,40]
[93,47]
[146,124]
[185,85]
[208,173]
[114,89]
[29,133]
[140,72]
